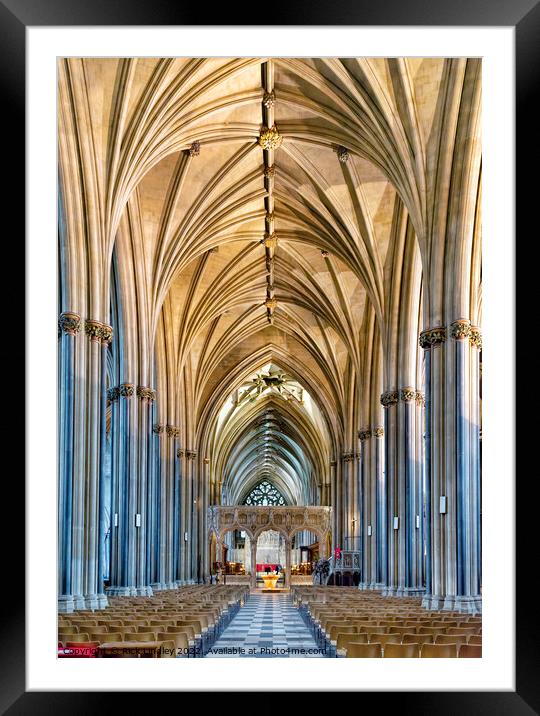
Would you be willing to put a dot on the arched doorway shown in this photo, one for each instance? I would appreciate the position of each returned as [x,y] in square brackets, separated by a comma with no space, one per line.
[234,555]
[305,551]
[270,556]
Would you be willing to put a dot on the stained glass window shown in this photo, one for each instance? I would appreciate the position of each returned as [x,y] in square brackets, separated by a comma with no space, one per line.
[264,494]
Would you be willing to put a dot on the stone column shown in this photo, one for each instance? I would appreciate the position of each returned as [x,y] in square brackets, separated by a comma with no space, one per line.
[452,465]
[183,522]
[69,325]
[178,513]
[340,505]
[322,546]
[144,405]
[363,508]
[403,479]
[379,529]
[167,522]
[123,503]
[333,500]
[192,507]
[154,503]
[203,512]
[347,471]
[254,562]
[95,331]
[372,507]
[287,563]
[106,338]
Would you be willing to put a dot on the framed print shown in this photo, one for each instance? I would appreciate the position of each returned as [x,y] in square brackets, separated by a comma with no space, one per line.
[278,259]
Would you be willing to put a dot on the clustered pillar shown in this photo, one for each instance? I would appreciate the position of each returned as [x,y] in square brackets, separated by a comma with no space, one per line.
[133,490]
[82,366]
[404,499]
[453,466]
[372,500]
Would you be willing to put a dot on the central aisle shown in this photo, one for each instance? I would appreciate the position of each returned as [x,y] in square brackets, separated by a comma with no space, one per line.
[267,626]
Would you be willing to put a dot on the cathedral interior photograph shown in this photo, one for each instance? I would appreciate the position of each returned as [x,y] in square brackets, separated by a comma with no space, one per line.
[269,357]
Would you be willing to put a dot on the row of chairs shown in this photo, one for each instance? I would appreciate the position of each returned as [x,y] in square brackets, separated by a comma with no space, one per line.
[186,621]
[399,651]
[346,621]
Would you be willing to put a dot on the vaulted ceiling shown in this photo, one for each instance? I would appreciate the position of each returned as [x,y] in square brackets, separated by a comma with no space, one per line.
[239,246]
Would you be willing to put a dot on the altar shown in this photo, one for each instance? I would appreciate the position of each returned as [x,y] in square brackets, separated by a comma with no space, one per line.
[270,582]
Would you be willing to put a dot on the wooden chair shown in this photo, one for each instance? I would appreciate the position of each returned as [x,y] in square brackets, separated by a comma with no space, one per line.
[364,651]
[84,622]
[75,637]
[81,644]
[384,639]
[111,636]
[126,650]
[458,639]
[124,629]
[344,638]
[167,649]
[463,630]
[340,629]
[417,639]
[68,629]
[180,640]
[140,636]
[185,628]
[98,630]
[431,630]
[402,630]
[439,651]
[401,651]
[475,639]
[470,651]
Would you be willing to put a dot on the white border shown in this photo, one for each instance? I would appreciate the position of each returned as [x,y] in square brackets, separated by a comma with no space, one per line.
[495,671]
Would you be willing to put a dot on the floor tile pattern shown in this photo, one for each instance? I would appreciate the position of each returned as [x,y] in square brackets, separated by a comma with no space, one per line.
[267,626]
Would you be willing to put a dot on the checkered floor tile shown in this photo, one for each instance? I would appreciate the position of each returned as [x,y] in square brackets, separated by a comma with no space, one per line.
[267,626]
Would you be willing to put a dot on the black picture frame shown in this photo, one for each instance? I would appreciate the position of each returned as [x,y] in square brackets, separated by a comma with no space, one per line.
[15,17]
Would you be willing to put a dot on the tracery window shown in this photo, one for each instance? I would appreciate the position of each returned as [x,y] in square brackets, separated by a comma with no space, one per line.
[264,494]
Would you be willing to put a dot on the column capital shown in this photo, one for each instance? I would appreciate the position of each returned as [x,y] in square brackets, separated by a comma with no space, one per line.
[364,434]
[146,393]
[407,394]
[126,390]
[113,394]
[98,331]
[92,328]
[191,454]
[269,172]
[106,333]
[390,397]
[158,429]
[460,329]
[348,456]
[378,432]
[206,460]
[420,398]
[69,323]
[432,337]
[475,336]
[180,453]
[172,431]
